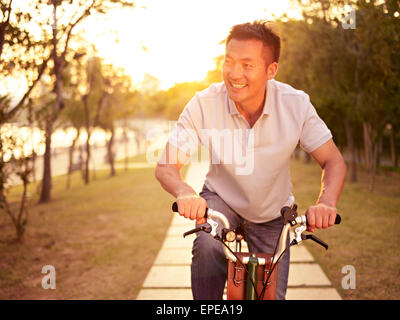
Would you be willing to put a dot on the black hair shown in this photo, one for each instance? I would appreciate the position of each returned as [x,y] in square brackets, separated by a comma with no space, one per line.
[260,30]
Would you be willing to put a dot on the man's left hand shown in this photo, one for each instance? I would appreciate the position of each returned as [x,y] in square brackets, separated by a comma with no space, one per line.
[320,216]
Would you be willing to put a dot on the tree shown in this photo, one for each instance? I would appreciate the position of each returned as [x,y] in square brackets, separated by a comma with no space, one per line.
[66,16]
[351,75]
[119,105]
[12,166]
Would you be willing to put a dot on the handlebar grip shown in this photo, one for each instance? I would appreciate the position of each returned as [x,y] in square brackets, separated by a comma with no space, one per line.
[337,220]
[175,209]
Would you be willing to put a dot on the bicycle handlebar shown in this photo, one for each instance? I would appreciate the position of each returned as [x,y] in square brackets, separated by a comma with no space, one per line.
[281,246]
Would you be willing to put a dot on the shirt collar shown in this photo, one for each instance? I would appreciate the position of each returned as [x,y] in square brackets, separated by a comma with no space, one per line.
[267,105]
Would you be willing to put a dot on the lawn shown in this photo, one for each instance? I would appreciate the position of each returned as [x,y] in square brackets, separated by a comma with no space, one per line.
[101,238]
[368,237]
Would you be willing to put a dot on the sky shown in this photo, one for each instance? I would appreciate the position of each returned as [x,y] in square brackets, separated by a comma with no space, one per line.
[173,40]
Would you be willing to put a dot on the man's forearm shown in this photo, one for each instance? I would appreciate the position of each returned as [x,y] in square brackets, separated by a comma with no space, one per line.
[172,182]
[332,181]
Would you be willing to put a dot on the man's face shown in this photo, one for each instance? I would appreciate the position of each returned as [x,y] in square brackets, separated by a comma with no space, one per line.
[245,70]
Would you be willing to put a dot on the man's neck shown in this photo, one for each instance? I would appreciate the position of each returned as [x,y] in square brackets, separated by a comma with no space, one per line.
[252,110]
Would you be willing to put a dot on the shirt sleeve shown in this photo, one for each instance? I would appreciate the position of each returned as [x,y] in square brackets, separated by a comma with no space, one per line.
[314,132]
[186,132]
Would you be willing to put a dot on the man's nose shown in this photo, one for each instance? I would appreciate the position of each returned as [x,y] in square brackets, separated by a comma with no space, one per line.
[236,72]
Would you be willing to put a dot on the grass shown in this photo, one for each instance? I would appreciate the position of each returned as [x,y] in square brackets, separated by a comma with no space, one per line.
[368,237]
[101,238]
[137,158]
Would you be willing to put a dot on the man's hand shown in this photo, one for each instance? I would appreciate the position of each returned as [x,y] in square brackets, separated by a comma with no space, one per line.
[320,216]
[192,206]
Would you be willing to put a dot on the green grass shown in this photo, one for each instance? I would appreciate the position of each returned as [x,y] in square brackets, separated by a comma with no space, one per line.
[101,238]
[368,237]
[138,158]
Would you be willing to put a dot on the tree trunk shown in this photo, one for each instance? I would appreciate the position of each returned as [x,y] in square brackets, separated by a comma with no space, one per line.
[45,195]
[372,174]
[393,150]
[58,106]
[352,150]
[367,145]
[87,160]
[88,133]
[71,158]
[110,153]
[126,142]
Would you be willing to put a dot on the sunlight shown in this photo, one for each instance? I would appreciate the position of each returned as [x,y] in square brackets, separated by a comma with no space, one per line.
[173,40]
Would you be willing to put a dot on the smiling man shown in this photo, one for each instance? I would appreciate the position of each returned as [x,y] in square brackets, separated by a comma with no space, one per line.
[274,118]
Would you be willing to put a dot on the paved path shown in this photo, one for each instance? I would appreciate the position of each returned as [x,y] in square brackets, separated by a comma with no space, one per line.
[169,278]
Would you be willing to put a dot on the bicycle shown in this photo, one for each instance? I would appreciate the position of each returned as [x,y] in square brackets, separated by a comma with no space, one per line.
[256,265]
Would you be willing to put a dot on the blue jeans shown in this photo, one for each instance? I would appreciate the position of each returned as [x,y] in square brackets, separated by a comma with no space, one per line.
[209,264]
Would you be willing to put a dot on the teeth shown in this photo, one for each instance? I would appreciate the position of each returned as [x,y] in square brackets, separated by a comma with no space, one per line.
[239,86]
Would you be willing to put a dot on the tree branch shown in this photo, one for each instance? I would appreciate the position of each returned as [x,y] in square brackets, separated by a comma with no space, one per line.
[41,70]
[85,13]
[3,27]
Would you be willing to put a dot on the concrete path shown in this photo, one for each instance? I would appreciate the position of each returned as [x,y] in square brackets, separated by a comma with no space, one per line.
[169,278]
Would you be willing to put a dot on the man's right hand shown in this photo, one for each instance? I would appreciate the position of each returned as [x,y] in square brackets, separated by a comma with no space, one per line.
[192,207]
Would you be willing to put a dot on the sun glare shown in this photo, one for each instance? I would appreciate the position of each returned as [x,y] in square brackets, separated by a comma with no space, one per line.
[174,40]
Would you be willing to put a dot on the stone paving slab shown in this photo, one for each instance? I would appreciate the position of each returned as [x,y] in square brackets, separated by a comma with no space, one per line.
[179,230]
[165,294]
[312,294]
[300,253]
[178,242]
[178,276]
[291,294]
[307,275]
[168,277]
[176,255]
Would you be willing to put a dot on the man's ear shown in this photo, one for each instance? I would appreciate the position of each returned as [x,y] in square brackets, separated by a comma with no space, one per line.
[272,69]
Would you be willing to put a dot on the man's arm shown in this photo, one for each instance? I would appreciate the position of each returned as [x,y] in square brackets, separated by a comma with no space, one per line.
[323,214]
[167,172]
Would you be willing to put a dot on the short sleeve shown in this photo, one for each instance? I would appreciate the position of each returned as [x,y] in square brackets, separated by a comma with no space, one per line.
[314,132]
[186,132]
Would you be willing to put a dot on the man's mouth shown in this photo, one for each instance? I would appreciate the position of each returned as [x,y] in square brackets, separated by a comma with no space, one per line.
[238,86]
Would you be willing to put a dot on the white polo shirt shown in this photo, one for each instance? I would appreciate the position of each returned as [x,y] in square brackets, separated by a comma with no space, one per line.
[249,167]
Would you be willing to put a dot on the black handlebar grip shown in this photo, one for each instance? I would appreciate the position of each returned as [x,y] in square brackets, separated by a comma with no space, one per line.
[175,209]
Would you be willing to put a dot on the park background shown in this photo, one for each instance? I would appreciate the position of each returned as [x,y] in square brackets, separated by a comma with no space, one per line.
[88,89]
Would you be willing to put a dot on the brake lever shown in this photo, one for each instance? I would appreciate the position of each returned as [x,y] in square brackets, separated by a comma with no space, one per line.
[214,226]
[206,228]
[316,239]
[299,236]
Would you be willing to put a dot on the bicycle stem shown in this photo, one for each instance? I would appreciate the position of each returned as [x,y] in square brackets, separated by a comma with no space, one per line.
[281,247]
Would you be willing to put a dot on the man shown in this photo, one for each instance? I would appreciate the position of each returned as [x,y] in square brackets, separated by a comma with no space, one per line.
[272,118]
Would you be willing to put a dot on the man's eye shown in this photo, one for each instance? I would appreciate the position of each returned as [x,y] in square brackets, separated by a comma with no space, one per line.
[248,65]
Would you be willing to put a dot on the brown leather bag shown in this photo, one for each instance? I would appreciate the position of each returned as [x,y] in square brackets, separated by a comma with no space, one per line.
[237,276]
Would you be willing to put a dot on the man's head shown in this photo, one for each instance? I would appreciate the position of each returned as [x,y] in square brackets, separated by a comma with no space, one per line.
[251,58]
